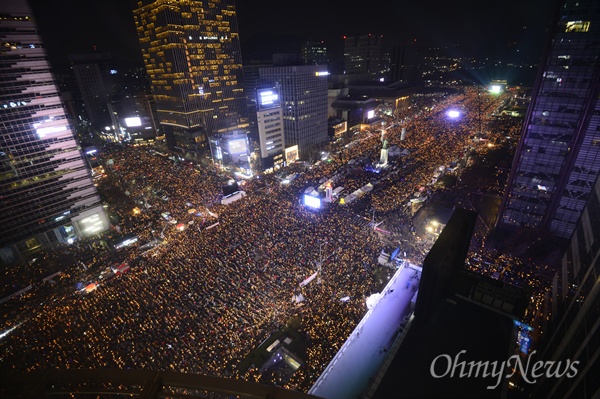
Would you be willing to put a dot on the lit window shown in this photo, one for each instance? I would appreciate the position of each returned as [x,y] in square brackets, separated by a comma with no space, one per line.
[577,26]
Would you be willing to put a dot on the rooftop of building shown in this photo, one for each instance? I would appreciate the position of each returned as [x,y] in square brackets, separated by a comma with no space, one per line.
[457,326]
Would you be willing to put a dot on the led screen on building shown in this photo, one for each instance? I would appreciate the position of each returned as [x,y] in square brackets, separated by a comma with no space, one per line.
[237,146]
[267,99]
[133,121]
[92,224]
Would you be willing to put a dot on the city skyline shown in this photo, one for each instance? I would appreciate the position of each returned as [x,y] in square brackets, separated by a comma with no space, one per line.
[498,29]
[431,217]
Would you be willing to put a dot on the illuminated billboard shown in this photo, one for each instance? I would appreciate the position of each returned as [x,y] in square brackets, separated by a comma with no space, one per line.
[92,224]
[43,131]
[267,98]
[133,121]
[291,154]
[370,114]
[237,146]
[312,202]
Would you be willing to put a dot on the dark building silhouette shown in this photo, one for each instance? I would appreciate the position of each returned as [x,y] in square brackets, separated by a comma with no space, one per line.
[363,54]
[96,77]
[573,333]
[458,315]
[407,62]
[314,53]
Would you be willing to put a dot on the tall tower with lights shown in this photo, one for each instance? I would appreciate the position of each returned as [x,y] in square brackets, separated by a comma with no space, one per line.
[47,196]
[558,156]
[191,50]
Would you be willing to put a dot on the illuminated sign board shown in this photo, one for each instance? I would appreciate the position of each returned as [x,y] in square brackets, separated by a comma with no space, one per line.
[291,154]
[370,114]
[133,122]
[92,225]
[312,202]
[268,98]
[237,146]
[324,73]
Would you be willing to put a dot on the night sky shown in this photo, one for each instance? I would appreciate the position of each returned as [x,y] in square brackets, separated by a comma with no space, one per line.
[491,28]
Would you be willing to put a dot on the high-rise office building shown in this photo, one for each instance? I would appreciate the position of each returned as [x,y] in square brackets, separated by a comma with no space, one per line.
[558,157]
[363,54]
[573,333]
[407,62]
[191,50]
[270,127]
[314,53]
[96,78]
[303,91]
[46,192]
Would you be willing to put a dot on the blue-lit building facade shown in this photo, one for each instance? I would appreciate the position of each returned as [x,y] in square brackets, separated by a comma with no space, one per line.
[231,151]
[558,157]
[47,195]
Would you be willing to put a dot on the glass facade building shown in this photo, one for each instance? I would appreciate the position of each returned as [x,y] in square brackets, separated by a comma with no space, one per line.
[191,50]
[558,157]
[303,94]
[573,333]
[46,192]
[96,80]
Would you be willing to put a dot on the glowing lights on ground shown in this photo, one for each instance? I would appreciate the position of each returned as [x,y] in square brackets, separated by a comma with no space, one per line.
[495,89]
[453,113]
[312,202]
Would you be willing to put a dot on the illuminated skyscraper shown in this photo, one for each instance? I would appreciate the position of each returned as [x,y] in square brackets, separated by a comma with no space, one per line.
[46,192]
[558,157]
[191,50]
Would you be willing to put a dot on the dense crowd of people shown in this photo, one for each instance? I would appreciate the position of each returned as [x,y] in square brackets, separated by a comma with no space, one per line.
[202,300]
[226,276]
